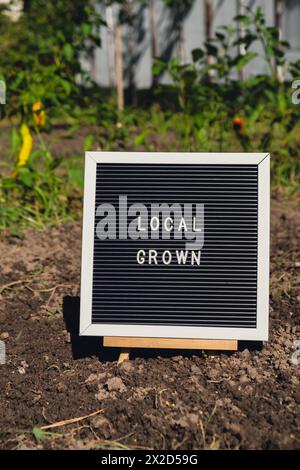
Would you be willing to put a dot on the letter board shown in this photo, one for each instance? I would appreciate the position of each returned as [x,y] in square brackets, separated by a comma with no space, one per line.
[175,245]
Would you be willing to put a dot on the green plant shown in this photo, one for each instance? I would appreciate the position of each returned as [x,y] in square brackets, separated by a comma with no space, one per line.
[199,111]
[274,48]
[41,55]
[223,46]
[40,435]
[34,194]
[184,77]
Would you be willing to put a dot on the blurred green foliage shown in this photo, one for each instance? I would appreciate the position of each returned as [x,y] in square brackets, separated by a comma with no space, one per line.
[206,108]
[41,55]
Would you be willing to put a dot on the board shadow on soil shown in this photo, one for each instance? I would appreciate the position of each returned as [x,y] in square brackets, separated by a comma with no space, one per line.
[88,346]
[83,346]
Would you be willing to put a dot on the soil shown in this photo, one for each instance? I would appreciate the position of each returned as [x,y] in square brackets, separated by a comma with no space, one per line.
[248,399]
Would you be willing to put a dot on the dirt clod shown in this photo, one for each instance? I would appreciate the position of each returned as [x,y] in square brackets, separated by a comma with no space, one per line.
[115,384]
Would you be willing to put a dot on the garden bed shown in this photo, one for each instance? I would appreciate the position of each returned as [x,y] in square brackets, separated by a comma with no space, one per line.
[178,399]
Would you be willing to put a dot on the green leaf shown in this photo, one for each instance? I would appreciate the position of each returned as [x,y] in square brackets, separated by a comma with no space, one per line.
[42,195]
[220,36]
[199,120]
[158,67]
[88,142]
[86,29]
[247,40]
[35,155]
[40,435]
[174,63]
[202,137]
[197,54]
[278,53]
[211,50]
[26,177]
[282,104]
[244,60]
[75,176]
[14,140]
[140,138]
[67,86]
[68,52]
[242,19]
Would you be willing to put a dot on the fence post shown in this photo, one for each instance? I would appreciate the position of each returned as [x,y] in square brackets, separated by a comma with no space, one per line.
[208,30]
[278,20]
[241,10]
[119,67]
[153,40]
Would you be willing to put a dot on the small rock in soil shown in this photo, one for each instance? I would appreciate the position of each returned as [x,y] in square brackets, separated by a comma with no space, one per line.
[252,372]
[177,358]
[102,424]
[96,377]
[195,369]
[104,394]
[235,428]
[126,366]
[61,388]
[245,353]
[189,421]
[243,379]
[116,384]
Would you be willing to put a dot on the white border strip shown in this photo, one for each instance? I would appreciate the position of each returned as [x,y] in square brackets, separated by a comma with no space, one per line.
[157,331]
[87,244]
[178,158]
[263,253]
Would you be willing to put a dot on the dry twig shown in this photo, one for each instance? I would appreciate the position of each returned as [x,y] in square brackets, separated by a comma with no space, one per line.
[69,421]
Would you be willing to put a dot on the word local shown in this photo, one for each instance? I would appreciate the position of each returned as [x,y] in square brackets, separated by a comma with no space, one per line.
[168,224]
[152,221]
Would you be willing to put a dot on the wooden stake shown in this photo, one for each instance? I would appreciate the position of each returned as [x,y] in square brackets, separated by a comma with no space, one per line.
[181,44]
[242,50]
[153,39]
[123,356]
[279,9]
[208,18]
[119,67]
[110,45]
[131,51]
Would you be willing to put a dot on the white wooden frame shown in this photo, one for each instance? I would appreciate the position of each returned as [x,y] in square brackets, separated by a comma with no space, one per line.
[87,328]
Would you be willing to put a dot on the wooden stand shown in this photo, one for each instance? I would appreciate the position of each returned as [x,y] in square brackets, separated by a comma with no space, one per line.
[128,342]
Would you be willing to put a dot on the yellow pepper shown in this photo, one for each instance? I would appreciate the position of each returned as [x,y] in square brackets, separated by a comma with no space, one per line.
[26,145]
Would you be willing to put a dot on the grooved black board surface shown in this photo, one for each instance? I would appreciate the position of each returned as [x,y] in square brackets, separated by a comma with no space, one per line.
[221,292]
